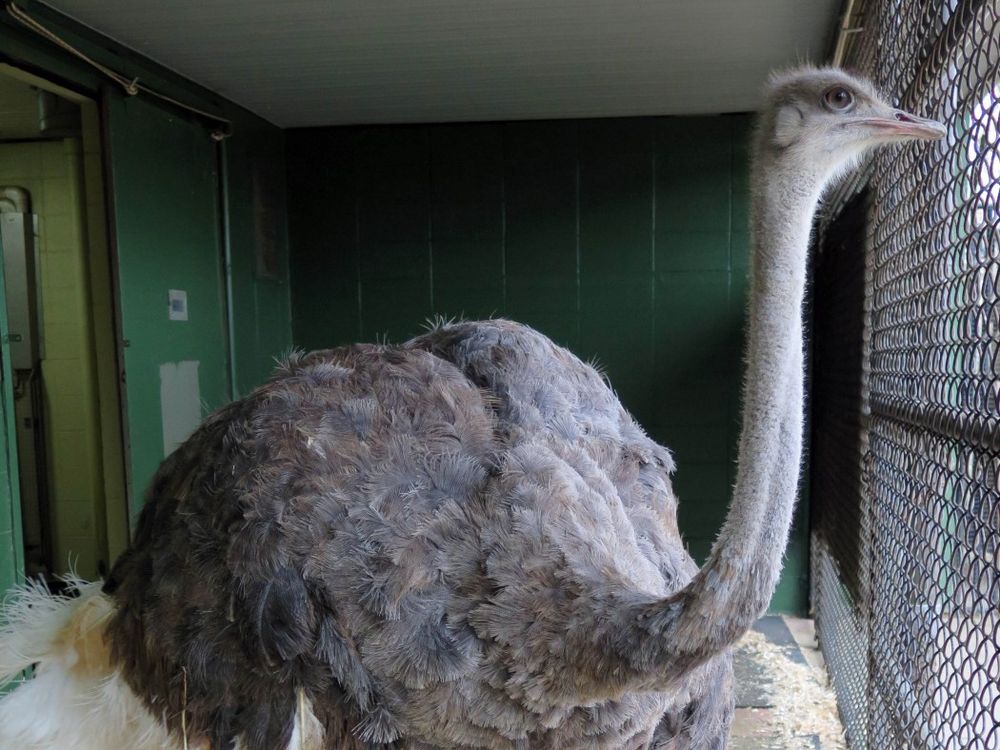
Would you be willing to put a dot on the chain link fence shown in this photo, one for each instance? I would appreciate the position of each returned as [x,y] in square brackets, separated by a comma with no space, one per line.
[906,395]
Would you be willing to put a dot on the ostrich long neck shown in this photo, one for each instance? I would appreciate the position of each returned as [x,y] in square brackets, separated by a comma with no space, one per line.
[632,641]
[736,583]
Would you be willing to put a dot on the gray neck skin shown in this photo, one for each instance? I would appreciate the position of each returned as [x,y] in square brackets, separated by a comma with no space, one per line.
[735,585]
[671,638]
[618,641]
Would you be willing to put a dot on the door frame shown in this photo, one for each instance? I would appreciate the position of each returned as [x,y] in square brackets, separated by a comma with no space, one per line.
[83,96]
[10,494]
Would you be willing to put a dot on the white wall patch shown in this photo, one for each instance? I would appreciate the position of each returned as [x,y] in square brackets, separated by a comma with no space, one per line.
[177,304]
[180,402]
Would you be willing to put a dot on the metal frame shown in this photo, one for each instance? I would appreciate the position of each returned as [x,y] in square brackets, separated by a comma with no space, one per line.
[906,586]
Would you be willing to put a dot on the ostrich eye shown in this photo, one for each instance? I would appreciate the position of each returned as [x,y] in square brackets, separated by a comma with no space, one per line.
[838,99]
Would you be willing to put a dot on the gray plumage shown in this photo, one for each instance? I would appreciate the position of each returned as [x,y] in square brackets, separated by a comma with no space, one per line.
[465,541]
[422,536]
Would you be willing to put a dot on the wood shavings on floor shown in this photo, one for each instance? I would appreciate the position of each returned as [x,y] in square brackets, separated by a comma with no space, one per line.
[804,708]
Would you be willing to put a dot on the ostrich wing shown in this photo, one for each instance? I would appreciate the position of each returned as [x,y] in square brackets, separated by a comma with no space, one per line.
[298,535]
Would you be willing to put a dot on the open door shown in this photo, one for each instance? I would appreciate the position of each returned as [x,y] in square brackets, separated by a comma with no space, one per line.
[61,388]
[11,546]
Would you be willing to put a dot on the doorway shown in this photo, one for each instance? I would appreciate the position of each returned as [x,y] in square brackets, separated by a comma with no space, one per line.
[61,330]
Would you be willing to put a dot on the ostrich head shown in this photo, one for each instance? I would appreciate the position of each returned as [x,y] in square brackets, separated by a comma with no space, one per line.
[828,119]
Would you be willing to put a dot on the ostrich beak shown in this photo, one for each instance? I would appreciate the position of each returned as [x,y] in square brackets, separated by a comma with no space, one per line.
[899,124]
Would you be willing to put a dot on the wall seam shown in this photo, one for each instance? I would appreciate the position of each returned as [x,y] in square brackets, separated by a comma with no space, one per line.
[652,246]
[355,179]
[429,152]
[503,220]
[579,294]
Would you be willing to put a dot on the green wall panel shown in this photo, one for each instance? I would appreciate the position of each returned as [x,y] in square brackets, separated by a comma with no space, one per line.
[540,246]
[467,219]
[11,538]
[256,200]
[615,245]
[624,239]
[395,268]
[327,305]
[168,237]
[169,233]
[11,541]
[466,174]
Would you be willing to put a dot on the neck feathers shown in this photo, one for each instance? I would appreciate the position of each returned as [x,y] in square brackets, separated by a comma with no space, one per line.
[735,585]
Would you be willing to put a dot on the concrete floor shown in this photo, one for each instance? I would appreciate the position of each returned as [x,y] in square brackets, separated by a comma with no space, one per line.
[761,721]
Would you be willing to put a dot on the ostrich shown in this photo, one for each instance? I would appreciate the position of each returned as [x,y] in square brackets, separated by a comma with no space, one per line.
[464,541]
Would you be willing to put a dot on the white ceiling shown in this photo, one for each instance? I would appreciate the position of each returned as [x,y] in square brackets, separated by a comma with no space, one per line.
[321,62]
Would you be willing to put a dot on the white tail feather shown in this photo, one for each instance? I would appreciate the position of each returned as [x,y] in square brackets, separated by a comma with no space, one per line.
[308,732]
[30,622]
[77,699]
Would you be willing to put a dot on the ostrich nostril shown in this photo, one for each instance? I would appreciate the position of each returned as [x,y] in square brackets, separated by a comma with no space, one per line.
[903,117]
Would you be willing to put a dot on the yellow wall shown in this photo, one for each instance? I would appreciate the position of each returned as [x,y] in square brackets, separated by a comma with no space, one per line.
[52,171]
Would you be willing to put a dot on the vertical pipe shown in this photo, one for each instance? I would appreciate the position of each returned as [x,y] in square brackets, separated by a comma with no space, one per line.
[222,151]
[133,500]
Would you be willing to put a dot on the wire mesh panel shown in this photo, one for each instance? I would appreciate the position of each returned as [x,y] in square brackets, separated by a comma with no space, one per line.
[841,529]
[907,587]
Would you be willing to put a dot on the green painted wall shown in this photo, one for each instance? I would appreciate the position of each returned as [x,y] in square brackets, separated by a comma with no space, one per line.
[11,544]
[167,222]
[623,239]
[255,155]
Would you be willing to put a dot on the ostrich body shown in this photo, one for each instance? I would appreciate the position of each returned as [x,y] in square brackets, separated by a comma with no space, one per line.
[461,542]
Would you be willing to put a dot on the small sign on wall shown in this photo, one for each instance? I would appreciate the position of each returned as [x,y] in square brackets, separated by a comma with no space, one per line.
[177,304]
